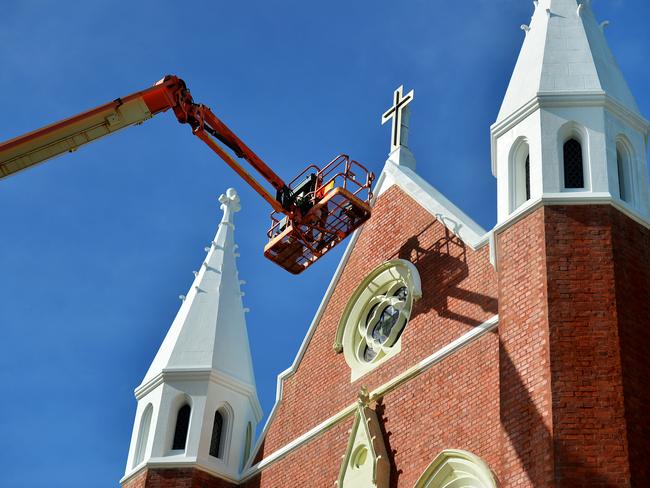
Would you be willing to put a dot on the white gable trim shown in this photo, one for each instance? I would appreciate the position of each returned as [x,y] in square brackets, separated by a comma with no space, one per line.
[434,202]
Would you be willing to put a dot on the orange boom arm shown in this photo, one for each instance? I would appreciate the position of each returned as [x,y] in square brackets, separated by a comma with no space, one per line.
[310,224]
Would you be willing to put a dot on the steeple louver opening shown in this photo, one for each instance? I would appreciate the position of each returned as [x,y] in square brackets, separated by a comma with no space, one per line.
[573,165]
[217,434]
[182,427]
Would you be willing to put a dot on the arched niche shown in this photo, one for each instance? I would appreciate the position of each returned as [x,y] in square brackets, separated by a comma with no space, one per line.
[457,469]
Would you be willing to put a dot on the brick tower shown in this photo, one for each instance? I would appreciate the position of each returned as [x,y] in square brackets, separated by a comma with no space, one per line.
[573,260]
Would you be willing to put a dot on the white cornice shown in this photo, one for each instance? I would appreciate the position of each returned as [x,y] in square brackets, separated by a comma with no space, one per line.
[554,199]
[565,99]
[202,374]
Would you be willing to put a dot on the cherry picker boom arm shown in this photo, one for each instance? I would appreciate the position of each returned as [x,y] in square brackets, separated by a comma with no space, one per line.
[312,214]
[169,93]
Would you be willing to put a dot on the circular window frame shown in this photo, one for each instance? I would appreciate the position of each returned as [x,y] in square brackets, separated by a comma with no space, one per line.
[354,333]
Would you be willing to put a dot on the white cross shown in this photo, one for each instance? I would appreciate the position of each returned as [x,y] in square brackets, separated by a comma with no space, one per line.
[399,113]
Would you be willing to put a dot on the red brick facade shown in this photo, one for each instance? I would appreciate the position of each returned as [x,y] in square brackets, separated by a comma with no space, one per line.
[554,398]
[573,318]
[431,412]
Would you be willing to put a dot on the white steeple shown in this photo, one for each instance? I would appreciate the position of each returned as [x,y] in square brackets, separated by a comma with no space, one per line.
[567,88]
[197,404]
[564,51]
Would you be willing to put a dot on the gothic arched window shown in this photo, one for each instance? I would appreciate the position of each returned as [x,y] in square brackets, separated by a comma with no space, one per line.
[247,444]
[143,435]
[217,434]
[182,426]
[527,172]
[624,167]
[573,165]
[520,175]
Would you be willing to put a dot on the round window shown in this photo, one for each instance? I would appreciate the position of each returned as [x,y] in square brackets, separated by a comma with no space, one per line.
[383,320]
[377,314]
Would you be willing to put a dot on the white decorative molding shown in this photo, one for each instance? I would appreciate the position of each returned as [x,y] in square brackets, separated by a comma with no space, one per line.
[354,332]
[569,199]
[365,462]
[202,374]
[454,467]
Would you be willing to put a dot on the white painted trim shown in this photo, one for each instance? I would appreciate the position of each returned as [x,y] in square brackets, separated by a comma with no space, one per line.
[397,381]
[436,357]
[474,466]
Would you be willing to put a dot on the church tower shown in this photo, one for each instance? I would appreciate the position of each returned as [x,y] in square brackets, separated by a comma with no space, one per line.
[197,405]
[572,238]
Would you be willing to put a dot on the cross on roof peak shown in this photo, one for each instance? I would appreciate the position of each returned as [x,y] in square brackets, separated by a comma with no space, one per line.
[399,113]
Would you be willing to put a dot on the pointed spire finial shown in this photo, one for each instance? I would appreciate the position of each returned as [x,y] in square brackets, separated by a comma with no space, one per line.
[363,398]
[230,205]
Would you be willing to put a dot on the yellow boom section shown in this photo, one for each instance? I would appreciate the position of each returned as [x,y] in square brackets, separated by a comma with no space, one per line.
[68,135]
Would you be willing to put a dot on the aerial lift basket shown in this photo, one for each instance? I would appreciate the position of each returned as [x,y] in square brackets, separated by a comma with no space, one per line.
[330,204]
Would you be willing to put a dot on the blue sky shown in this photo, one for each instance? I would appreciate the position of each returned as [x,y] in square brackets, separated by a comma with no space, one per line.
[96,246]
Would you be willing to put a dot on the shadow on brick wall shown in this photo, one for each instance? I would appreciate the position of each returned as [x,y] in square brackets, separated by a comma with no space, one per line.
[443,266]
[394,472]
[538,453]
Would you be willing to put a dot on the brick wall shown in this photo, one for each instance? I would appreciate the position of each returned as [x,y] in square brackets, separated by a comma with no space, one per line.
[573,282]
[556,398]
[632,270]
[524,363]
[588,418]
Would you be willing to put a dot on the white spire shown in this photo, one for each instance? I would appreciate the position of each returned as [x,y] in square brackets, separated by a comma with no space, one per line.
[209,331]
[197,404]
[564,52]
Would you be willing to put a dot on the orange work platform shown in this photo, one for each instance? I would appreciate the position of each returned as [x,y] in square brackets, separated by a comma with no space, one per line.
[331,202]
